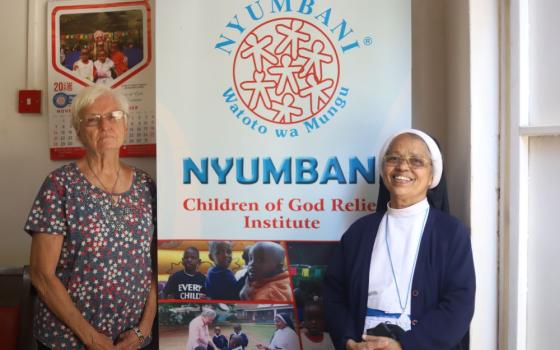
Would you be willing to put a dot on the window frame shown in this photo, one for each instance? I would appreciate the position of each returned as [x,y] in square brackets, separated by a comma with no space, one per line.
[514,164]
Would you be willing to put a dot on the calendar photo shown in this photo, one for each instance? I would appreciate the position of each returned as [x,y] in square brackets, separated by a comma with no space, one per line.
[101,42]
[101,47]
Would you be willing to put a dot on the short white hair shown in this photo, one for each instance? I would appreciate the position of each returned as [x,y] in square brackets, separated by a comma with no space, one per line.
[87,97]
[208,312]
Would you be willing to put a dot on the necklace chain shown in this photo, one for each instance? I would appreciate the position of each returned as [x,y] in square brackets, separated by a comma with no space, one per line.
[112,191]
[403,308]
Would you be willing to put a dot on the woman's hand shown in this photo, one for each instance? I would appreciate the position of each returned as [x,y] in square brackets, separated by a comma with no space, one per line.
[373,343]
[127,341]
[45,252]
[261,347]
[100,341]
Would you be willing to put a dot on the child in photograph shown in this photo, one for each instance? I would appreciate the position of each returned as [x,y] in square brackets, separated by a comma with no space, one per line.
[220,282]
[188,283]
[118,58]
[105,68]
[219,339]
[238,334]
[235,342]
[84,66]
[314,336]
[267,279]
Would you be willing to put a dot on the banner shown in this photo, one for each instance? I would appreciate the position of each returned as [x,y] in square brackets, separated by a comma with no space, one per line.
[270,117]
[100,42]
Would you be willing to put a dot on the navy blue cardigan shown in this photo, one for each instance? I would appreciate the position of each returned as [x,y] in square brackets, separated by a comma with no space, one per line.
[443,287]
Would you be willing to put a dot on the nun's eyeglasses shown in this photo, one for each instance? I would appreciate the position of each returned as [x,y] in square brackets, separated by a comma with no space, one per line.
[413,161]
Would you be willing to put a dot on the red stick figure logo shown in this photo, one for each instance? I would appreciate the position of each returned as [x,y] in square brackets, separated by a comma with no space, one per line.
[286,70]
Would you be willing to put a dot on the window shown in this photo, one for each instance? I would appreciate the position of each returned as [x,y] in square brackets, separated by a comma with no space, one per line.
[530,172]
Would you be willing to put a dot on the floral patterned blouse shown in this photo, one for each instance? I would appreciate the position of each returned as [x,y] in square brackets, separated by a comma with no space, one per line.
[105,262]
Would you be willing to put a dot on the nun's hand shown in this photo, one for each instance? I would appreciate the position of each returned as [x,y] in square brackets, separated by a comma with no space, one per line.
[370,344]
[381,343]
[373,343]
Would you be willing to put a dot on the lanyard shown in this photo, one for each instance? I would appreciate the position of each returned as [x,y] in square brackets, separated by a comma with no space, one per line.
[403,308]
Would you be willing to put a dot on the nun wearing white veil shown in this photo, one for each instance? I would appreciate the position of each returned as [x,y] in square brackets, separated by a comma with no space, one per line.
[410,266]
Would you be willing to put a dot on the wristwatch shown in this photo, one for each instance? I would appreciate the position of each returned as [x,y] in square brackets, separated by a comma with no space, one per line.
[139,334]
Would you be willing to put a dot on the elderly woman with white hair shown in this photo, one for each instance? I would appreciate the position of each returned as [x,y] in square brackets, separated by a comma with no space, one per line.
[198,329]
[403,278]
[92,225]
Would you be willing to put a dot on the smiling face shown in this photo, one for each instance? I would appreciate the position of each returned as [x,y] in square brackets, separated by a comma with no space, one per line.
[108,135]
[222,255]
[407,184]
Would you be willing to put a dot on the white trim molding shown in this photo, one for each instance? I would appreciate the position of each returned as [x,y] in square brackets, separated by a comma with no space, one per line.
[549,130]
[514,176]
[484,35]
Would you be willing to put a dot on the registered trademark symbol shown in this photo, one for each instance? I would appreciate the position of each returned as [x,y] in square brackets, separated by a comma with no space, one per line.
[368,41]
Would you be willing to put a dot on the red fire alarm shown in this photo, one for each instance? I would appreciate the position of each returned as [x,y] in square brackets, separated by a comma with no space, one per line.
[29,101]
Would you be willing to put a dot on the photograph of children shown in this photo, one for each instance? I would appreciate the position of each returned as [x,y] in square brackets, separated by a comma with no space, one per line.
[232,270]
[101,46]
[267,276]
[285,335]
[187,283]
[308,264]
[220,281]
[226,326]
[312,329]
[220,341]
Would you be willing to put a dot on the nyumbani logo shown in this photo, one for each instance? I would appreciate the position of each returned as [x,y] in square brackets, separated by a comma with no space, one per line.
[286,70]
[286,66]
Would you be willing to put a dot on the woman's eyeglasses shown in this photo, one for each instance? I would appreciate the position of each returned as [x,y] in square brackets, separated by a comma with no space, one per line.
[413,161]
[95,119]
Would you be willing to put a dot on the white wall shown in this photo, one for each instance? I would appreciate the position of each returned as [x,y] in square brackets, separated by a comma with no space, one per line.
[429,64]
[24,147]
[483,151]
[440,88]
